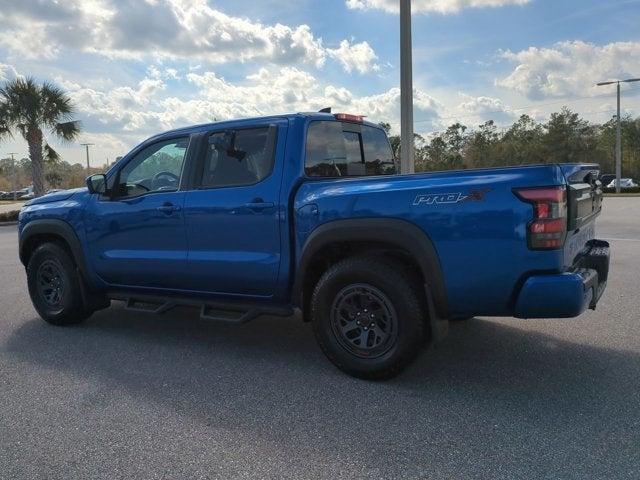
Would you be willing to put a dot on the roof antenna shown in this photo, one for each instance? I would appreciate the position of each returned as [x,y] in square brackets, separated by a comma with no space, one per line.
[325,110]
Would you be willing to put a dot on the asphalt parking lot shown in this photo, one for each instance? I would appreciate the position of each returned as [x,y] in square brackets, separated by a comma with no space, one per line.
[129,395]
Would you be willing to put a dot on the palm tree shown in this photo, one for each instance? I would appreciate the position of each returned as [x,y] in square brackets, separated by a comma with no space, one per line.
[30,108]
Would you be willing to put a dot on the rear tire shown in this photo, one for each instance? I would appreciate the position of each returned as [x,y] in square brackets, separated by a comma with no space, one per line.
[368,317]
[55,286]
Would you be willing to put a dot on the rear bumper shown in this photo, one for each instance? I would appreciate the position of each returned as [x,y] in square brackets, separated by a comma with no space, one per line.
[567,294]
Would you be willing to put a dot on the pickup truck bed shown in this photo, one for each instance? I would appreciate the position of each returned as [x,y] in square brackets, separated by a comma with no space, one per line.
[476,227]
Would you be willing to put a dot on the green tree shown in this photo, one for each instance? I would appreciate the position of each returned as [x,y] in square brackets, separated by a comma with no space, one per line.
[54,178]
[455,140]
[566,138]
[522,142]
[483,146]
[433,156]
[30,108]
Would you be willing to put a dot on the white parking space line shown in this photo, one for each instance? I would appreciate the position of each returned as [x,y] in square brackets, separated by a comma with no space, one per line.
[622,239]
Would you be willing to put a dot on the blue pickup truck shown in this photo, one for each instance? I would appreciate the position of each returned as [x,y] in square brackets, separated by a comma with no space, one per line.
[307,211]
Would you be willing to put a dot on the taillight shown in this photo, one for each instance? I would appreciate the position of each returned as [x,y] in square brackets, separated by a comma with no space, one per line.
[548,229]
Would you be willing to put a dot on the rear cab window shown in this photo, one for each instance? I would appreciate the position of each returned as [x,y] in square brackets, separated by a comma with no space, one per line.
[343,149]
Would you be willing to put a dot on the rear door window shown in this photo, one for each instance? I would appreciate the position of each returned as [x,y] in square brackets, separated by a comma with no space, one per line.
[336,149]
[248,161]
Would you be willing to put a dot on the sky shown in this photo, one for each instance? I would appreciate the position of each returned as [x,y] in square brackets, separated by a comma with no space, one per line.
[134,68]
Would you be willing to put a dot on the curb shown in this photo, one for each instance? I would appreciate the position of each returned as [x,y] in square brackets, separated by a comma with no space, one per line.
[8,224]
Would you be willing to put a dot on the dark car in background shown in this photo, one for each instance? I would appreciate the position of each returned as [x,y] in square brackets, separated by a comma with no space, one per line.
[606,178]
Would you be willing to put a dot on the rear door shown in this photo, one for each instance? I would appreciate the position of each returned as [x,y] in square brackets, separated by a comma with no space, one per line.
[584,203]
[233,213]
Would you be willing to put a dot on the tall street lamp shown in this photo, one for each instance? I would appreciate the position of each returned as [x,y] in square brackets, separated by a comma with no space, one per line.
[406,90]
[618,130]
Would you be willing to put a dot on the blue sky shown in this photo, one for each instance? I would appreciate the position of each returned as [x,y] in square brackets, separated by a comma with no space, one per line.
[136,67]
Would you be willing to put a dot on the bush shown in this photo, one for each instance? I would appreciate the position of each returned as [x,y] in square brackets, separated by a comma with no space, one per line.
[9,216]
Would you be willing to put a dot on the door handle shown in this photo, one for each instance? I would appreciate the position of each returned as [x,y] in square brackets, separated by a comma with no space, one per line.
[168,208]
[258,205]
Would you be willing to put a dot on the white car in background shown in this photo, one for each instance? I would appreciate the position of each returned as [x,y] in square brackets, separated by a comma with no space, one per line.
[624,183]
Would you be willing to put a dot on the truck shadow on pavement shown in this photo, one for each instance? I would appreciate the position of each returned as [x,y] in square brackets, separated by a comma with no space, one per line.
[488,386]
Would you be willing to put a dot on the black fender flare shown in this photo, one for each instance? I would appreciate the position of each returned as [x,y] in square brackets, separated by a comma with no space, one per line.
[392,231]
[59,228]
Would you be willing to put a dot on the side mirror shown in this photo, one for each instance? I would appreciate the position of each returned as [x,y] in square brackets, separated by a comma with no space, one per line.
[97,183]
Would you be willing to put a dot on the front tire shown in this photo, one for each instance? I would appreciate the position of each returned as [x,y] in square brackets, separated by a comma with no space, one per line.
[55,286]
[368,317]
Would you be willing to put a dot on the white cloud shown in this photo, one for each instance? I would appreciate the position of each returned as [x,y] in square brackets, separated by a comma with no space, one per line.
[172,29]
[437,6]
[484,108]
[358,56]
[7,72]
[116,118]
[28,43]
[569,68]
[162,74]
[119,110]
[272,91]
[386,107]
[338,95]
[134,112]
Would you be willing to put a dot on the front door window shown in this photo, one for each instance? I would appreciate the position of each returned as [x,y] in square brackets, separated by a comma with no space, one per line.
[157,168]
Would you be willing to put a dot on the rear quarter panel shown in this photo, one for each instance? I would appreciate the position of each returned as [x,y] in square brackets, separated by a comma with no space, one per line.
[475,222]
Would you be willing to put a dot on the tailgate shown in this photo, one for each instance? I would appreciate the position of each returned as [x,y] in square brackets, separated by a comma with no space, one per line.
[584,204]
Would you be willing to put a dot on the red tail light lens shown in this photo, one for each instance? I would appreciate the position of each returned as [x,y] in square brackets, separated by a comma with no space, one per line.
[548,229]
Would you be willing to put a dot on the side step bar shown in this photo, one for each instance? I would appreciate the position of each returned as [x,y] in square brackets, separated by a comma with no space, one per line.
[145,306]
[220,312]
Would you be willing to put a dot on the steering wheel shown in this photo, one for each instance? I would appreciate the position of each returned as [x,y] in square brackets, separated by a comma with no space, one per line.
[158,177]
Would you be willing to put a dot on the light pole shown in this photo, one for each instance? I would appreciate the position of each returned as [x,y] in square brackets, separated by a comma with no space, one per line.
[618,130]
[87,145]
[14,175]
[406,90]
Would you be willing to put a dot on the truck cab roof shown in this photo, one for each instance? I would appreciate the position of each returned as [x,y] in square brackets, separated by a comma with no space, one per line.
[309,116]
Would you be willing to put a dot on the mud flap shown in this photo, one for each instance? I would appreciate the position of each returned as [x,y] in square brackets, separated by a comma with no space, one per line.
[439,326]
[91,301]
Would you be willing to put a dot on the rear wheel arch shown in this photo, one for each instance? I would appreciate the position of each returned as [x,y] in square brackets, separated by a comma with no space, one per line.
[399,239]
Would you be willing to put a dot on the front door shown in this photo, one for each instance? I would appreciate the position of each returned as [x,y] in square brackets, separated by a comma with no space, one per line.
[136,236]
[232,215]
